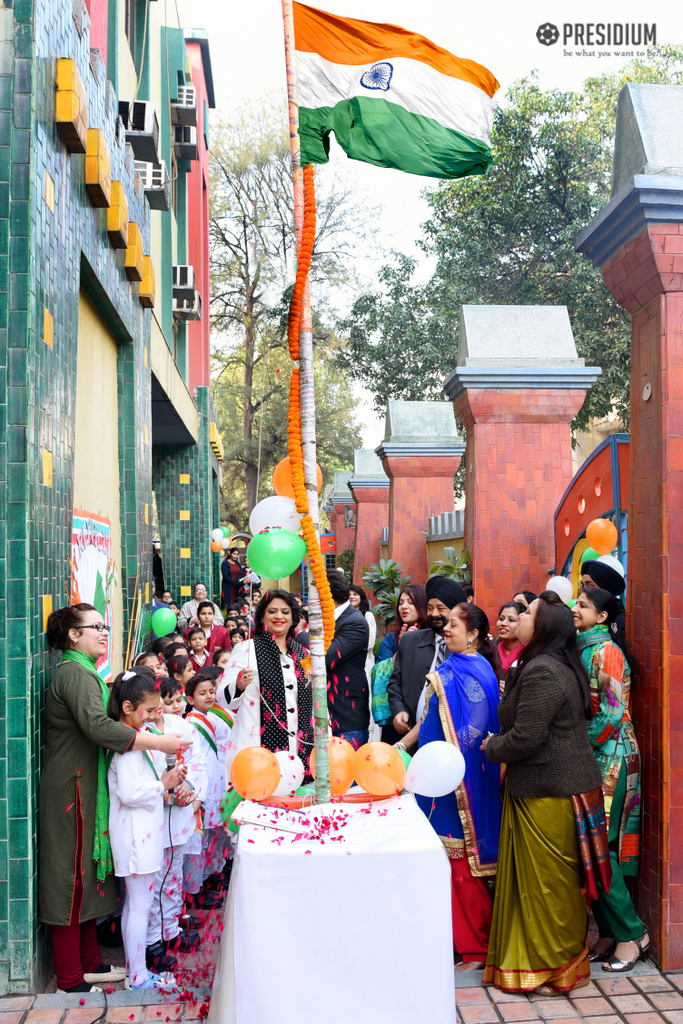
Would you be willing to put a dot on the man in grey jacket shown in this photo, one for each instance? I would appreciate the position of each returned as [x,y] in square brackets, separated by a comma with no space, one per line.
[421,651]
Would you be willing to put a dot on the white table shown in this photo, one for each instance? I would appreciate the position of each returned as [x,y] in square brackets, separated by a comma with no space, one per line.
[350,931]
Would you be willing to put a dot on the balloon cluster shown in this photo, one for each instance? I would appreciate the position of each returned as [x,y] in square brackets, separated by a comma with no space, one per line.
[220,539]
[276,549]
[602,537]
[380,770]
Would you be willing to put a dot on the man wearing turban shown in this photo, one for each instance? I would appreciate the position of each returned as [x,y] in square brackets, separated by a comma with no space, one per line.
[421,651]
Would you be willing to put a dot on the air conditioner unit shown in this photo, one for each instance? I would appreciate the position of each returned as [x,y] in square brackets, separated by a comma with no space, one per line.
[142,129]
[185,142]
[155,182]
[184,109]
[187,309]
[183,281]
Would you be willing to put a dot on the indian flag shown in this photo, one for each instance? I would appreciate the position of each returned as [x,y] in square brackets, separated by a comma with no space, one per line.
[392,97]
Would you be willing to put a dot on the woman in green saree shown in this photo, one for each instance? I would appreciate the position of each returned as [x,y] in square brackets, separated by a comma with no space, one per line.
[75,882]
[538,937]
[623,936]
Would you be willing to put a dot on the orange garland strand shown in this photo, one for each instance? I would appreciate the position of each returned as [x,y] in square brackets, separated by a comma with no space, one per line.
[294,440]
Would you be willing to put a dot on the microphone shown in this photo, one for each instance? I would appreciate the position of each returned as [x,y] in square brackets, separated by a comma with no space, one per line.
[171,761]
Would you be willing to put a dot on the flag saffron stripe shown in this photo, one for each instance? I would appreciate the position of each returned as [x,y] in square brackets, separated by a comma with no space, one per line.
[351,41]
[455,104]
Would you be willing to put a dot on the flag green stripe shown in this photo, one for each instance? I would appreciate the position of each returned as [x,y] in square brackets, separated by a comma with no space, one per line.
[387,135]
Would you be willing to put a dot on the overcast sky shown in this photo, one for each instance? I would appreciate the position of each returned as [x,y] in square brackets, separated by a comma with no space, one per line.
[247,56]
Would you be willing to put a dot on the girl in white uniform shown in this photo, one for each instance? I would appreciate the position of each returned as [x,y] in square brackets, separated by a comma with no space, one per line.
[180,824]
[136,818]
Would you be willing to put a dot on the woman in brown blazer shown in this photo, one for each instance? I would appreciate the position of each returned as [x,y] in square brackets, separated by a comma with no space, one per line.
[540,922]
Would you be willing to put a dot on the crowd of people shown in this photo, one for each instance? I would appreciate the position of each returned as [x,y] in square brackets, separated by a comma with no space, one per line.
[548,810]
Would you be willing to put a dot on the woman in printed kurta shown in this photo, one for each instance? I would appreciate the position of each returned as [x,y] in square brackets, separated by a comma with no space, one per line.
[623,936]
[75,883]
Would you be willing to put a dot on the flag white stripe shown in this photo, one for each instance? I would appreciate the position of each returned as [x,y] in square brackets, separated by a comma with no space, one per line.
[416,86]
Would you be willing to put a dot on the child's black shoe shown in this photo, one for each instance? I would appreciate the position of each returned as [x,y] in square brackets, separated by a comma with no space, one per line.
[159,960]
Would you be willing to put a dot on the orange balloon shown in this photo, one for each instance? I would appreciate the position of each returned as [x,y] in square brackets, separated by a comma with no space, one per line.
[282,478]
[255,773]
[216,545]
[602,536]
[378,768]
[341,755]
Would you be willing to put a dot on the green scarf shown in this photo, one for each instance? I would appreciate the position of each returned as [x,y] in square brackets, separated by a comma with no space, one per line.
[101,851]
[598,634]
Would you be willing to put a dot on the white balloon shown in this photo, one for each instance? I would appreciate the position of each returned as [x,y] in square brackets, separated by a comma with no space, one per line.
[562,587]
[226,543]
[272,512]
[291,773]
[216,534]
[436,769]
[613,563]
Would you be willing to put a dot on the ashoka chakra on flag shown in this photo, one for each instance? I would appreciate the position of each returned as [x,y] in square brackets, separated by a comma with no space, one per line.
[392,97]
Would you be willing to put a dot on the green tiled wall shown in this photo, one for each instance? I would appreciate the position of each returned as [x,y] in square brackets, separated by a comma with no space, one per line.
[199,497]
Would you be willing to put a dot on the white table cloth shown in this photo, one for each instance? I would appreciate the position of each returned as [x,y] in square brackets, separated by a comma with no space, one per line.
[345,926]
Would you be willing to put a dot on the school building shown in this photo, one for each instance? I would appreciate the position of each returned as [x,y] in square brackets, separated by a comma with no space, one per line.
[109,434]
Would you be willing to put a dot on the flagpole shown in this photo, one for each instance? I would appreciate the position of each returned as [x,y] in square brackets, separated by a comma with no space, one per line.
[307,399]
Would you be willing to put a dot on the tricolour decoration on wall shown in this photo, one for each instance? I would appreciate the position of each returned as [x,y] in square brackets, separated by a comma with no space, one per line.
[94,574]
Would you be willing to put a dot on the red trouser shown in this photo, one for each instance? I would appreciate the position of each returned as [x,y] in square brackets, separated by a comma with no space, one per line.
[74,945]
[471,908]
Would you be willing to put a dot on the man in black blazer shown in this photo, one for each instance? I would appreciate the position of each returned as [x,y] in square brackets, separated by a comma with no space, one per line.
[420,652]
[348,697]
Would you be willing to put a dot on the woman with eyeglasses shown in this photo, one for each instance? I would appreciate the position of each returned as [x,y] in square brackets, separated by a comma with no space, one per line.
[76,882]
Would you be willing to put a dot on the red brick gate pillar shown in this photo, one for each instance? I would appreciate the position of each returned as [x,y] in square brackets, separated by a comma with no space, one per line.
[369,487]
[516,406]
[420,454]
[637,241]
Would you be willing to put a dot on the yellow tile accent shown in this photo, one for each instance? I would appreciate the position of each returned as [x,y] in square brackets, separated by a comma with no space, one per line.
[47,468]
[71,106]
[146,593]
[145,350]
[117,216]
[147,286]
[50,192]
[185,591]
[134,254]
[47,609]
[184,478]
[97,169]
[146,513]
[48,327]
[215,440]
[184,515]
[185,553]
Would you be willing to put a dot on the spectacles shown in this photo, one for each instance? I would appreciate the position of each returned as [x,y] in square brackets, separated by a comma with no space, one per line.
[99,626]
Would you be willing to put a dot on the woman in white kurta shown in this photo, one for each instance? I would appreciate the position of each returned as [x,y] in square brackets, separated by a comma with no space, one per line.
[266,684]
[136,818]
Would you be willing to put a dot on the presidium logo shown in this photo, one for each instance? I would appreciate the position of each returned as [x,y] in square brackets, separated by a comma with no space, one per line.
[598,34]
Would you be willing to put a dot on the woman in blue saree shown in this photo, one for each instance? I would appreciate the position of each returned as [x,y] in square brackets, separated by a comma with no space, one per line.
[461,707]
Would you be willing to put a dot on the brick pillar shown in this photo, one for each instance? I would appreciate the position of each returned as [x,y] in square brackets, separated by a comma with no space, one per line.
[421,486]
[516,407]
[637,241]
[372,514]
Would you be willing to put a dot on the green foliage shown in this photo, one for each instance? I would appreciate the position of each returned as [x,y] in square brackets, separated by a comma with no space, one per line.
[385,579]
[507,238]
[454,566]
[344,560]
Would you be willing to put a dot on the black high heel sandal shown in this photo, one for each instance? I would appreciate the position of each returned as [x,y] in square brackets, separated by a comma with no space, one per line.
[616,966]
[599,958]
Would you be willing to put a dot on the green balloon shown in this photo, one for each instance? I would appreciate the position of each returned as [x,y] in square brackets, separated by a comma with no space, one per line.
[405,757]
[226,532]
[164,621]
[229,802]
[590,554]
[570,604]
[308,790]
[275,553]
